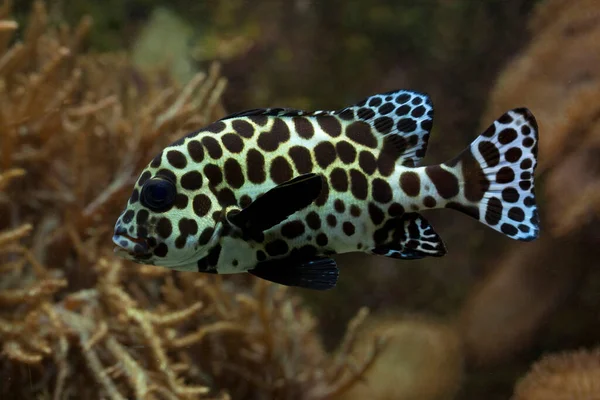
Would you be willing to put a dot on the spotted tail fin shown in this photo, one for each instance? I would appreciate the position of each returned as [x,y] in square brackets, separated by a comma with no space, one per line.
[496,176]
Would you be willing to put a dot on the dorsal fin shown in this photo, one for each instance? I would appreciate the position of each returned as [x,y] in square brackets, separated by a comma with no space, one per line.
[404,118]
[275,112]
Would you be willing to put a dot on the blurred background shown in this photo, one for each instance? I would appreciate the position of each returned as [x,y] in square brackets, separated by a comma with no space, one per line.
[493,319]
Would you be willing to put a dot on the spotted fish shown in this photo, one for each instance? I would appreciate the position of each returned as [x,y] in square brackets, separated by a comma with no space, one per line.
[276,192]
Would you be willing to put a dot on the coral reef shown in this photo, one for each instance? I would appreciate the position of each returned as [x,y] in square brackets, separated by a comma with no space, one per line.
[568,375]
[423,360]
[75,322]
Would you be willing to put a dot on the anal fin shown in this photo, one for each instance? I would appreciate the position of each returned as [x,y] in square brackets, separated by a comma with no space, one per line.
[408,237]
[315,274]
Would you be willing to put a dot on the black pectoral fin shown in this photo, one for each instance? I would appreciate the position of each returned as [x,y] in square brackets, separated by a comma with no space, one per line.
[315,274]
[278,203]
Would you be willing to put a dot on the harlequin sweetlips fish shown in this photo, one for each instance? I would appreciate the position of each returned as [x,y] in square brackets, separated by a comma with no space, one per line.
[276,192]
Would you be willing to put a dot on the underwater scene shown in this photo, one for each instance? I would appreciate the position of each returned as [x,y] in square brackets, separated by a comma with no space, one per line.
[300,200]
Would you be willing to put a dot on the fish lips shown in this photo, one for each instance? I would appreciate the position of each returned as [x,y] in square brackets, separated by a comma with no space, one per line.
[127,245]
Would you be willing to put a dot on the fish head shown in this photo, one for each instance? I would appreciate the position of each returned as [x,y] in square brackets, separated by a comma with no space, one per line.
[165,223]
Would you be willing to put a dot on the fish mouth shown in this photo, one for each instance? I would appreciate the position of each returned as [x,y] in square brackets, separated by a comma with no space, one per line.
[130,246]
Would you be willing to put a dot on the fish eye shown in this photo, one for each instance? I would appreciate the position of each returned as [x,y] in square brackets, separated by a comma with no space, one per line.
[158,194]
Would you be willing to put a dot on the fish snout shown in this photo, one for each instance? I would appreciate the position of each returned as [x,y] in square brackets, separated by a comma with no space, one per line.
[134,246]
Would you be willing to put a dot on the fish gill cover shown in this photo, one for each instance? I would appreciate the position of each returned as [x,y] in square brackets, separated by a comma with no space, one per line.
[76,322]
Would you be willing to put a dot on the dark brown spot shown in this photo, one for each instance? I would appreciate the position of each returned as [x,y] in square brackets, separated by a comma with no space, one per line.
[429,202]
[128,216]
[381,191]
[226,197]
[144,177]
[508,229]
[205,236]
[383,124]
[505,119]
[195,150]
[376,214]
[301,158]
[505,175]
[164,227]
[513,155]
[348,228]
[410,183]
[526,130]
[358,184]
[142,217]
[395,210]
[255,166]
[490,153]
[191,180]
[346,152]
[339,180]
[233,173]
[325,154]
[510,195]
[313,220]
[176,159]
[181,201]
[516,214]
[135,196]
[445,182]
[367,162]
[386,108]
[156,161]
[361,133]
[201,205]
[213,174]
[161,250]
[507,135]
[490,131]
[216,127]
[233,142]
[243,128]
[292,229]
[330,125]
[213,147]
[277,247]
[375,101]
[528,142]
[280,171]
[260,120]
[406,125]
[322,239]
[394,146]
[526,163]
[331,220]
[187,227]
[339,205]
[365,113]
[476,183]
[355,210]
[279,133]
[245,201]
[303,127]
[418,112]
[324,195]
[493,212]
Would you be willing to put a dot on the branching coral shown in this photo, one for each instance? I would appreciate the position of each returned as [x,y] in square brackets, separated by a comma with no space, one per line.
[75,322]
[569,375]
